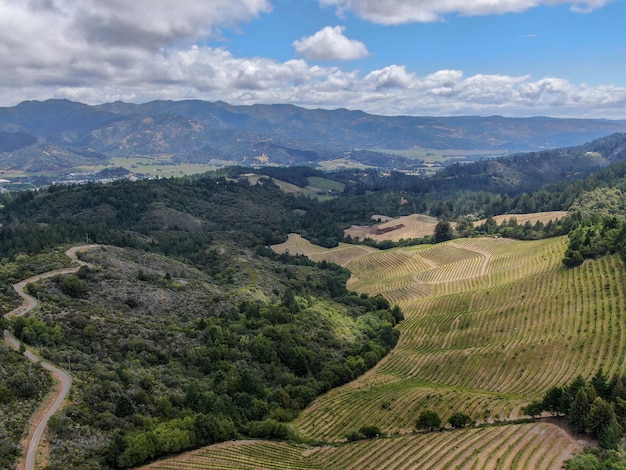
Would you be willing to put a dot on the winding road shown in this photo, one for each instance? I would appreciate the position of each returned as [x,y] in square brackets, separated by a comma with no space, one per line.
[64,380]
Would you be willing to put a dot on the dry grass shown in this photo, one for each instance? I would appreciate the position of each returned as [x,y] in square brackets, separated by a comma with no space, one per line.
[342,254]
[410,226]
[533,218]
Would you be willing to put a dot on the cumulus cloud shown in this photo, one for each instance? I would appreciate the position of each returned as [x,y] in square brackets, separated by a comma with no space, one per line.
[409,11]
[330,44]
[393,76]
[58,30]
[92,53]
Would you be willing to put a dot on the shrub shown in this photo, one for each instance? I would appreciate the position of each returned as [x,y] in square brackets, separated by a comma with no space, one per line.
[459,420]
[428,420]
[354,435]
[73,286]
[369,432]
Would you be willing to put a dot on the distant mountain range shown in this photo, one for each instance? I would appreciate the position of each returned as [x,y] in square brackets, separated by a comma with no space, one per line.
[55,135]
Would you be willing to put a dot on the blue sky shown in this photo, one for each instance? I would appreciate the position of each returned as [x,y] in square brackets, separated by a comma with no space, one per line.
[415,57]
[542,41]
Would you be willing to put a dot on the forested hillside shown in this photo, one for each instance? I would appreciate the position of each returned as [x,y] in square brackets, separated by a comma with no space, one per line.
[192,332]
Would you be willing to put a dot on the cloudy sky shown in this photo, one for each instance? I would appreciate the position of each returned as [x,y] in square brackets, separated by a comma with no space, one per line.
[415,57]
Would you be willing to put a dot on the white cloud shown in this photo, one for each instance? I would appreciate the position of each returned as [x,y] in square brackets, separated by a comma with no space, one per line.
[393,76]
[409,11]
[330,44]
[215,74]
[46,52]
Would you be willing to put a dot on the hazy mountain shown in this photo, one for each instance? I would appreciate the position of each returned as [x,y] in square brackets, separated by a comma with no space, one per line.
[199,131]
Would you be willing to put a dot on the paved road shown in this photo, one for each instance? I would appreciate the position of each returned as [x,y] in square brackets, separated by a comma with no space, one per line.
[64,380]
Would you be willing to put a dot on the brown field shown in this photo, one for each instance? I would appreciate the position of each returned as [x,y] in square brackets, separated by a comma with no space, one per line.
[410,226]
[523,218]
[420,226]
[253,179]
[342,254]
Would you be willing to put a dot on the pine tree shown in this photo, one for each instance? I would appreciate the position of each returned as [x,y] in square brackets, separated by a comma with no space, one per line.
[577,414]
[552,400]
[599,415]
[609,435]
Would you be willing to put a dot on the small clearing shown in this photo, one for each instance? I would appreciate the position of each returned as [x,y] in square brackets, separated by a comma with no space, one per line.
[407,227]
[533,218]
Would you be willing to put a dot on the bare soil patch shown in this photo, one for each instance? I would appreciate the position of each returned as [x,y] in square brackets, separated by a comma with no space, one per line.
[407,227]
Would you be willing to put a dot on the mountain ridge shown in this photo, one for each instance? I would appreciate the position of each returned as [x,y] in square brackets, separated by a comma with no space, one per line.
[201,131]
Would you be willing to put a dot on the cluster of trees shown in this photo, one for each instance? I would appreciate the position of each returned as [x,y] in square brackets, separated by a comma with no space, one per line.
[429,420]
[594,237]
[599,226]
[596,407]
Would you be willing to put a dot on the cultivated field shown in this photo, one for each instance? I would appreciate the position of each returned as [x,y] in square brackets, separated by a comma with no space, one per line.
[407,227]
[318,187]
[490,325]
[536,446]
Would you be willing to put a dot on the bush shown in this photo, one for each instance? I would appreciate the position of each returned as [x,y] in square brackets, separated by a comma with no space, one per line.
[73,286]
[533,409]
[270,429]
[354,435]
[459,420]
[369,432]
[428,420]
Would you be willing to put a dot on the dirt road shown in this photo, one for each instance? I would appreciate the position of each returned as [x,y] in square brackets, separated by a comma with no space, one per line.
[64,380]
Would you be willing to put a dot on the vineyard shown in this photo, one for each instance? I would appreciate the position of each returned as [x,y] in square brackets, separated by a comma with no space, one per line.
[491,324]
[537,446]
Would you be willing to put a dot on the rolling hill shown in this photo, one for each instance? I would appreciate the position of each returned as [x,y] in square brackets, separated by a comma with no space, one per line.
[189,330]
[490,325]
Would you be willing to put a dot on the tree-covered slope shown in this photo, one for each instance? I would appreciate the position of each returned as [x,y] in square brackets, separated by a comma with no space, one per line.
[191,332]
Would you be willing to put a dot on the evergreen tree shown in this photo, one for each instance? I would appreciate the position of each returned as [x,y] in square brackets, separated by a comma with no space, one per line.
[552,400]
[443,232]
[599,415]
[609,434]
[577,414]
[601,385]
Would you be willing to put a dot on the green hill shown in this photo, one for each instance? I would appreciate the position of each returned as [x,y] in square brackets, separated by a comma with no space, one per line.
[189,331]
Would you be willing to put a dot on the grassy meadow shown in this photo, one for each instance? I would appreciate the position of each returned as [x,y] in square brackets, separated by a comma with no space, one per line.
[491,324]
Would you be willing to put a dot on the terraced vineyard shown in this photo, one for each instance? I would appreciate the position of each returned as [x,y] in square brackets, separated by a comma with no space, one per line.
[491,324]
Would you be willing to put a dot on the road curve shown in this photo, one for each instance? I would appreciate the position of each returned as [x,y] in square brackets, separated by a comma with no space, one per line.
[64,380]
